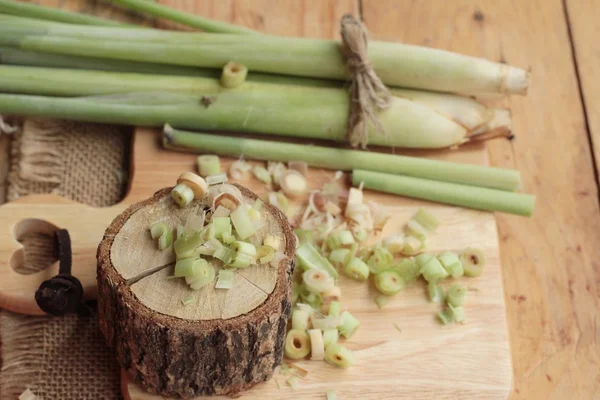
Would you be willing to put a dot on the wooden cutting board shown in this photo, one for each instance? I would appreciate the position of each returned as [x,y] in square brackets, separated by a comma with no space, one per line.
[420,360]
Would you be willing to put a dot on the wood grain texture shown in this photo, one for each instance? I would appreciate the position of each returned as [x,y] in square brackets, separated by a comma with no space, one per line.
[583,17]
[550,262]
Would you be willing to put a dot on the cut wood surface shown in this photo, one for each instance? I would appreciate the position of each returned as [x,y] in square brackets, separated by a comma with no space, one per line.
[224,342]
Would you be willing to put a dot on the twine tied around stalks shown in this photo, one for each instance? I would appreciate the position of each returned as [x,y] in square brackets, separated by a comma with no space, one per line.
[368,95]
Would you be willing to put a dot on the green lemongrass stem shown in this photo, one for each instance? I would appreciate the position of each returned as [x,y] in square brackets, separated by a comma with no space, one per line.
[342,159]
[448,193]
[29,10]
[396,64]
[195,21]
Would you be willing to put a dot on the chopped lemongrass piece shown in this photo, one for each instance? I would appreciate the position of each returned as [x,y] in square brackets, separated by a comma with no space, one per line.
[276,170]
[300,320]
[238,168]
[233,75]
[423,259]
[293,183]
[216,179]
[262,174]
[182,195]
[205,275]
[339,257]
[221,212]
[227,238]
[186,246]
[310,258]
[296,370]
[187,300]
[435,292]
[452,263]
[225,279]
[242,223]
[279,200]
[317,347]
[244,248]
[328,322]
[416,229]
[333,294]
[194,182]
[330,336]
[335,308]
[330,395]
[294,382]
[297,344]
[221,225]
[444,317]
[185,267]
[381,301]
[433,271]
[279,256]
[340,239]
[394,244]
[456,313]
[299,166]
[264,254]
[224,254]
[180,231]
[408,269]
[355,196]
[413,246]
[389,282]
[208,164]
[241,260]
[162,232]
[304,235]
[349,325]
[258,204]
[456,295]
[339,356]
[361,235]
[227,200]
[312,299]
[27,395]
[317,280]
[380,260]
[473,261]
[332,208]
[356,269]
[426,220]
[272,241]
[254,214]
[194,223]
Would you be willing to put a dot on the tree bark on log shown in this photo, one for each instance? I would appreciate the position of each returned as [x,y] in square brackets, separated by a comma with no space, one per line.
[185,358]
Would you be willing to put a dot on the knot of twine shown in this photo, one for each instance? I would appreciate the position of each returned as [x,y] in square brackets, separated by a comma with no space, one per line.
[368,94]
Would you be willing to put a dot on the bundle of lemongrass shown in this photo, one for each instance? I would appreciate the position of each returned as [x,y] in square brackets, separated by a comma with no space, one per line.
[72,66]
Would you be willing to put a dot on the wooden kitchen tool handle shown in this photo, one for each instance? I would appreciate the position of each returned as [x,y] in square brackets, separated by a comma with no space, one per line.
[46,214]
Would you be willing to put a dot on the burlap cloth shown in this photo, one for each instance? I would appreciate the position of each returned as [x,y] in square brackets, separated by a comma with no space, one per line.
[60,357]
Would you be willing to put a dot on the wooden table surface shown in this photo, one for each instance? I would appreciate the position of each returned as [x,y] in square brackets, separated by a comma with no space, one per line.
[551,262]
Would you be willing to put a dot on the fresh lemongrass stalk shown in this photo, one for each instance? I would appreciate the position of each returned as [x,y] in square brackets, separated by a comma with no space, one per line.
[233,75]
[208,164]
[456,295]
[473,261]
[50,13]
[407,123]
[448,193]
[342,159]
[389,282]
[195,21]
[396,64]
[182,195]
[297,344]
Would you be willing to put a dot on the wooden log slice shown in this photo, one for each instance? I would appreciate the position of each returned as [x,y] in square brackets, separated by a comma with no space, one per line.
[224,342]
